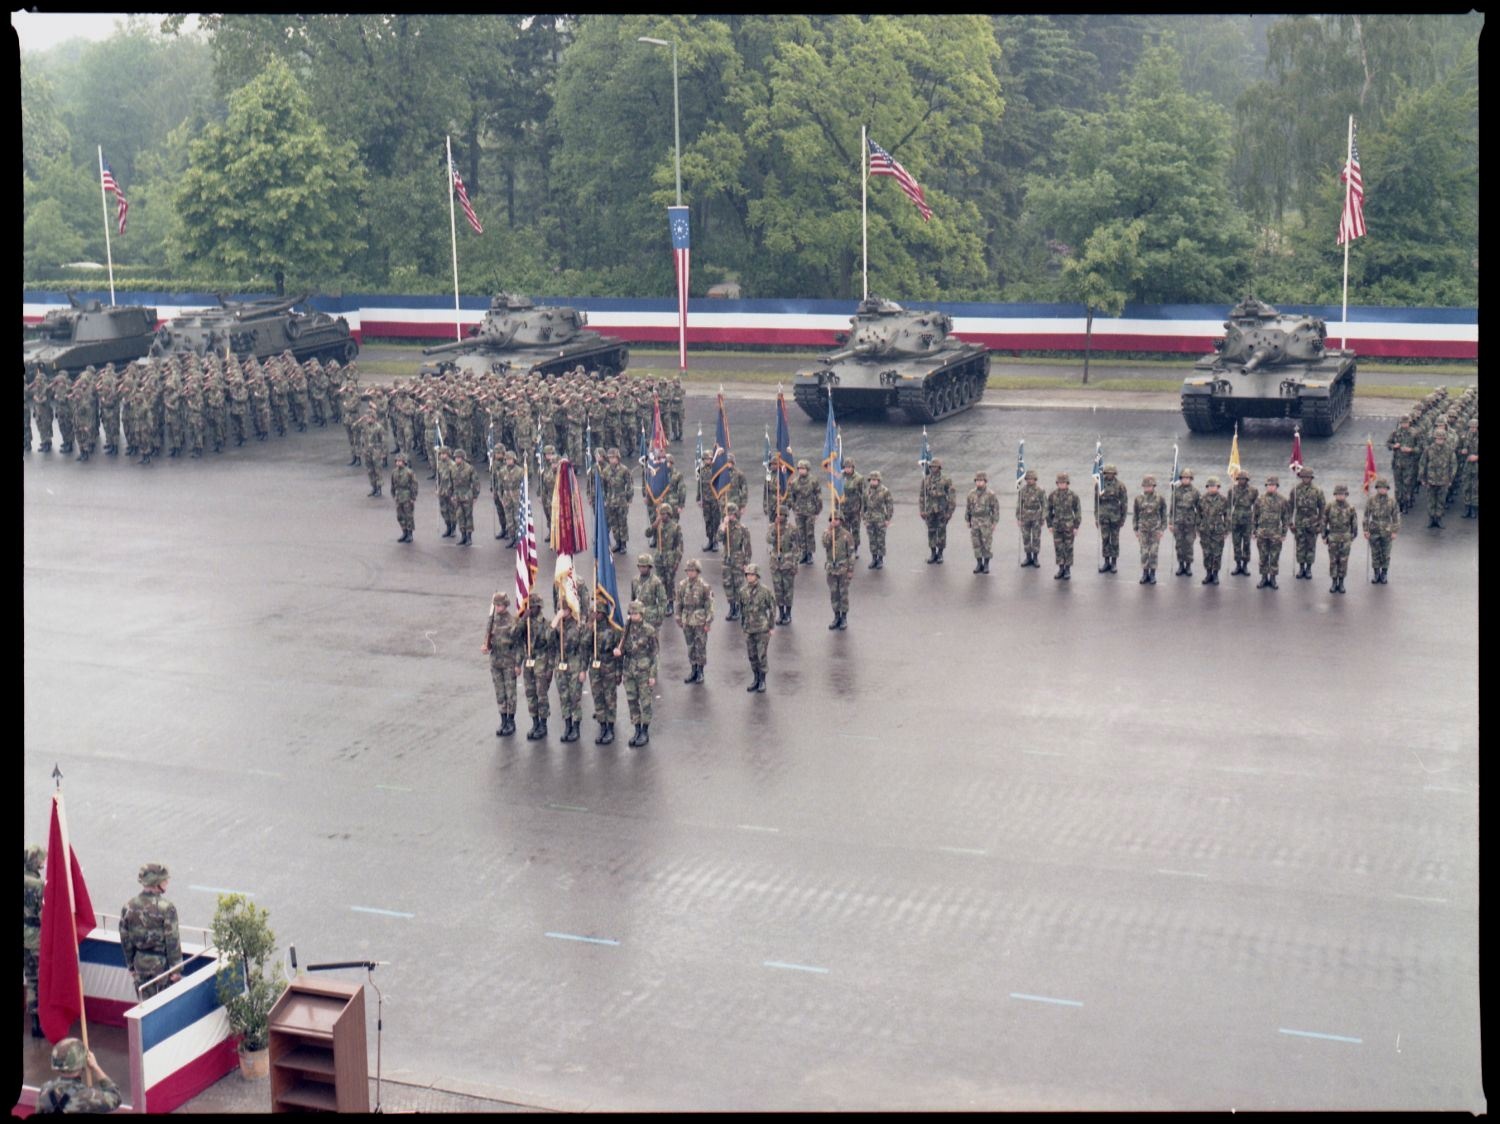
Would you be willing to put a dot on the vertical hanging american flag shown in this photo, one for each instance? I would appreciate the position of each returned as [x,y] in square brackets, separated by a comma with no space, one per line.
[463,201]
[678,218]
[1352,221]
[525,544]
[882,163]
[121,206]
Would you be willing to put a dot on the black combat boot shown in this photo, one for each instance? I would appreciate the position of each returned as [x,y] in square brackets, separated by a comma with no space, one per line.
[843,621]
[1438,522]
[734,611]
[540,731]
[570,731]
[1263,583]
[1208,578]
[1272,582]
[807,558]
[931,555]
[1067,572]
[834,623]
[671,610]
[507,724]
[448,534]
[940,555]
[979,565]
[645,734]
[692,675]
[880,561]
[1058,576]
[760,681]
[1152,572]
[755,684]
[1104,569]
[1145,576]
[635,739]
[986,565]
[196,453]
[1469,512]
[599,739]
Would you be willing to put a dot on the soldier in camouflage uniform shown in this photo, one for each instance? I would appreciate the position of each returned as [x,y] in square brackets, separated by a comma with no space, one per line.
[695,616]
[1435,470]
[784,555]
[1242,499]
[149,939]
[637,653]
[1404,456]
[1111,503]
[1213,527]
[498,470]
[605,672]
[1340,529]
[838,561]
[1064,514]
[936,504]
[67,1092]
[738,490]
[737,554]
[575,645]
[853,506]
[41,403]
[58,387]
[649,591]
[1031,516]
[444,474]
[709,502]
[879,507]
[404,491]
[1148,518]
[668,551]
[617,496]
[85,415]
[1183,511]
[1273,515]
[675,397]
[1469,468]
[548,480]
[806,498]
[1382,524]
[1307,522]
[465,492]
[757,613]
[31,930]
[981,513]
[538,644]
[506,652]
[372,449]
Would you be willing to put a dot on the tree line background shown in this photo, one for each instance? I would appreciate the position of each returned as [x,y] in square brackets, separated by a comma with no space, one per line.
[1085,158]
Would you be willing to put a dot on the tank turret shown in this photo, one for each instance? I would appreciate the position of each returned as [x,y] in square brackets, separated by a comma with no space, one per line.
[520,333]
[897,358]
[1270,364]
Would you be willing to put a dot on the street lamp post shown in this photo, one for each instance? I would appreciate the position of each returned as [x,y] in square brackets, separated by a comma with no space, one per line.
[676,107]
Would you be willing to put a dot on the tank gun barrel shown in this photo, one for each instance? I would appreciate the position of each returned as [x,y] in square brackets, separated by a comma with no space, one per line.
[442,348]
[850,353]
[1257,357]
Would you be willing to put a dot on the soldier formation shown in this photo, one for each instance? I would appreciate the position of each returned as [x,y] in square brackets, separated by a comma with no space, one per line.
[1435,448]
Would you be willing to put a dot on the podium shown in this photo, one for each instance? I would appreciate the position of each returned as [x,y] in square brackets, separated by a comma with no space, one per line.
[317,1048]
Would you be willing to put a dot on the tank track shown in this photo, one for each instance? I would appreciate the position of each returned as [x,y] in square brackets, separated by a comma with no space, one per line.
[945,392]
[608,361]
[1321,417]
[1198,412]
[812,399]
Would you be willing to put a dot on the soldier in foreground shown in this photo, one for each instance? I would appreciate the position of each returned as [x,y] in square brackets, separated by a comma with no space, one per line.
[67,1092]
[1382,524]
[1184,513]
[1435,470]
[1340,529]
[506,652]
[649,591]
[1273,515]
[785,555]
[31,930]
[605,672]
[1242,499]
[879,507]
[695,615]
[1031,514]
[540,661]
[1307,522]
[404,492]
[737,553]
[465,492]
[1213,526]
[838,561]
[575,651]
[637,652]
[981,513]
[935,504]
[1148,517]
[806,498]
[1064,514]
[149,938]
[757,618]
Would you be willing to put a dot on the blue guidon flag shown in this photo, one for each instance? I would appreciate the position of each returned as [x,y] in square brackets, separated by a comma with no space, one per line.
[677,217]
[718,471]
[605,590]
[781,456]
[833,456]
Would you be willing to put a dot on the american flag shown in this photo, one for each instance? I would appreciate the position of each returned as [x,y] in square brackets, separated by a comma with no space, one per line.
[882,163]
[463,201]
[121,206]
[525,545]
[681,251]
[1352,221]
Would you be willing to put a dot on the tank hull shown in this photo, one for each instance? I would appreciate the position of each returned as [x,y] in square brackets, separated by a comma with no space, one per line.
[314,335]
[605,354]
[925,389]
[1319,395]
[75,357]
[90,337]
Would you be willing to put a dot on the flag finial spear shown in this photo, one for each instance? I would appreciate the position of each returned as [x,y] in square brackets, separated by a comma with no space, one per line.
[57,776]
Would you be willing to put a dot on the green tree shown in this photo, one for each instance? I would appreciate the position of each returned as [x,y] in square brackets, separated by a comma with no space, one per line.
[44,136]
[267,192]
[48,240]
[1104,275]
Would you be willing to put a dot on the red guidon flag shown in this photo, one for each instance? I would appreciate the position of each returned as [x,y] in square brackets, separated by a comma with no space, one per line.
[1296,462]
[66,920]
[1370,472]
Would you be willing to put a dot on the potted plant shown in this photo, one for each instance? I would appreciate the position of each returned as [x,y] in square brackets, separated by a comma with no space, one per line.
[248,982]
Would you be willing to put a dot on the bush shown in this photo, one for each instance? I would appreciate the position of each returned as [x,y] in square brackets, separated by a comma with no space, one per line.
[246,988]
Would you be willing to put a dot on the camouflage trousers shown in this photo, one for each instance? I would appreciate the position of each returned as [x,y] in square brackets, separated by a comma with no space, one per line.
[784,584]
[87,436]
[1031,535]
[838,591]
[301,407]
[65,428]
[465,516]
[278,415]
[26,426]
[44,423]
[1062,544]
[372,467]
[1306,546]
[505,687]
[711,519]
[983,538]
[501,516]
[1406,486]
[1437,495]
[807,531]
[937,532]
[851,524]
[1150,541]
[263,423]
[217,429]
[147,966]
[697,644]
[1338,557]
[1380,551]
[734,584]
[1213,550]
[638,696]
[446,508]
[538,679]
[876,531]
[1183,535]
[349,430]
[30,967]
[756,646]
[1240,533]
[604,685]
[237,426]
[618,517]
[319,404]
[173,434]
[570,691]
[666,570]
[195,428]
[1270,554]
[1470,490]
[406,515]
[1109,538]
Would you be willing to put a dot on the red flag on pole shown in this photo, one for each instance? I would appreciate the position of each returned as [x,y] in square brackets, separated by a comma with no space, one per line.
[67,917]
[1296,461]
[1370,472]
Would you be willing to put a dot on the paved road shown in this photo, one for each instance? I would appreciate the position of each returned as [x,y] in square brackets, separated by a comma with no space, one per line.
[1008,842]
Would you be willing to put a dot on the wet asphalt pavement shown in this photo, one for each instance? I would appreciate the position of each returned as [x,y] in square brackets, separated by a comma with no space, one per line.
[1008,842]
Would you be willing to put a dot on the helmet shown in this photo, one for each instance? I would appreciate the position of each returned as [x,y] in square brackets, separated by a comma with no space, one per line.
[501,598]
[936,462]
[1382,482]
[36,855]
[1148,481]
[1270,480]
[694,565]
[981,475]
[400,458]
[645,560]
[667,511]
[875,474]
[1211,482]
[548,449]
[732,509]
[613,452]
[1185,474]
[1305,473]
[152,874]
[1031,474]
[752,569]
[1242,475]
[803,463]
[69,1056]
[849,464]
[1341,489]
[1110,470]
[1062,478]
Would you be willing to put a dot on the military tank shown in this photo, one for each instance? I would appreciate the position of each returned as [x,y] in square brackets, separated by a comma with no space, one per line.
[520,334]
[896,359]
[84,334]
[261,328]
[1270,365]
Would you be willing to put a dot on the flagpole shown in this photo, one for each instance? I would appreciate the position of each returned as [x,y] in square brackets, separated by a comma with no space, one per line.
[458,333]
[864,210]
[67,858]
[109,254]
[1348,234]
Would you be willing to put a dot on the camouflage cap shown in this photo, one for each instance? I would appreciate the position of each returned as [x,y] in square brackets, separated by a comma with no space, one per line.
[400,458]
[1062,478]
[1148,481]
[510,454]
[636,607]
[1211,482]
[694,565]
[729,457]
[152,874]
[460,454]
[36,855]
[1341,489]
[752,570]
[1110,470]
[1272,481]
[644,560]
[1382,482]
[1305,473]
[69,1056]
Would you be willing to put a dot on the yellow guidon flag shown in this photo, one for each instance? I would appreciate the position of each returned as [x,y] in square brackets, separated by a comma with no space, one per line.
[1234,453]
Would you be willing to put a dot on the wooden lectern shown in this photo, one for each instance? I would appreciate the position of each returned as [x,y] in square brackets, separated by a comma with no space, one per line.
[318,1056]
